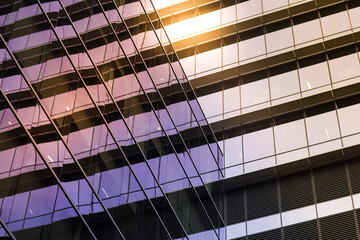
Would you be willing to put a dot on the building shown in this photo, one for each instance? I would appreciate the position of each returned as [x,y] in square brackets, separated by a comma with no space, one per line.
[278,82]
[100,140]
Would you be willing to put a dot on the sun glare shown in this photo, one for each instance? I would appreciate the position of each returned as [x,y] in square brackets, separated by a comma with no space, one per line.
[193,25]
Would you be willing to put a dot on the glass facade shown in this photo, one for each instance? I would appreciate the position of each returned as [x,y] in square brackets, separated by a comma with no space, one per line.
[278,82]
[101,137]
[112,111]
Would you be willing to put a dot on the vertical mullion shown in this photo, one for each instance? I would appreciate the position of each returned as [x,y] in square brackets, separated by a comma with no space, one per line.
[43,159]
[154,111]
[7,230]
[183,142]
[104,120]
[60,135]
[182,89]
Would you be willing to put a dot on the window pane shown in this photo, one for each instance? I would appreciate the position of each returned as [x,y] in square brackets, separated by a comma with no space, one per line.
[290,136]
[248,8]
[307,31]
[314,76]
[258,144]
[271,4]
[208,60]
[233,151]
[211,104]
[355,17]
[254,93]
[230,54]
[284,84]
[251,48]
[344,67]
[335,23]
[349,119]
[323,127]
[231,99]
[279,39]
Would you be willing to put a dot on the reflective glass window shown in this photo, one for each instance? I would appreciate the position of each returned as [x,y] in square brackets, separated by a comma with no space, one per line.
[334,206]
[284,84]
[208,60]
[344,67]
[248,8]
[255,93]
[251,48]
[335,23]
[228,14]
[314,76]
[211,104]
[230,54]
[270,4]
[355,17]
[290,136]
[322,127]
[298,215]
[189,65]
[307,31]
[279,39]
[258,144]
[349,119]
[233,151]
[231,99]
[263,224]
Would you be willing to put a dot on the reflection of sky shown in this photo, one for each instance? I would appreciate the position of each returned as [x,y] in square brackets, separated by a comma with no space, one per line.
[117,185]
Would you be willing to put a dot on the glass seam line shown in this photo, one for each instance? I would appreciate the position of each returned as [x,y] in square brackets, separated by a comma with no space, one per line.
[57,131]
[102,80]
[3,224]
[154,108]
[103,118]
[177,58]
[63,140]
[119,111]
[43,158]
[162,47]
[200,127]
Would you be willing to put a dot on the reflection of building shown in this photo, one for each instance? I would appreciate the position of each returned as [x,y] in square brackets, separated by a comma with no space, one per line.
[278,82]
[100,136]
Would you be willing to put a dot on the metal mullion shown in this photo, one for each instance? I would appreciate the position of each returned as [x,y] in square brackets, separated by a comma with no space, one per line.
[122,116]
[182,89]
[153,109]
[171,121]
[59,134]
[45,162]
[105,123]
[152,26]
[7,230]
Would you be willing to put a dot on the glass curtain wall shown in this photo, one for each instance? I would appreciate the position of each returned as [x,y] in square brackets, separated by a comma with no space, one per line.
[100,138]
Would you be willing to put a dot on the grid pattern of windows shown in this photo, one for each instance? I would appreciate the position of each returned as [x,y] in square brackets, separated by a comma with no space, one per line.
[99,110]
[279,83]
[99,139]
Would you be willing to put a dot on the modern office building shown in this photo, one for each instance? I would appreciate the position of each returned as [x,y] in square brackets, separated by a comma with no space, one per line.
[98,139]
[102,135]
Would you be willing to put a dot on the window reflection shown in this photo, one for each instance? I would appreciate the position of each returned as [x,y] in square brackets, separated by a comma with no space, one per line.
[251,48]
[307,31]
[344,67]
[255,93]
[335,23]
[314,76]
[248,8]
[290,136]
[258,144]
